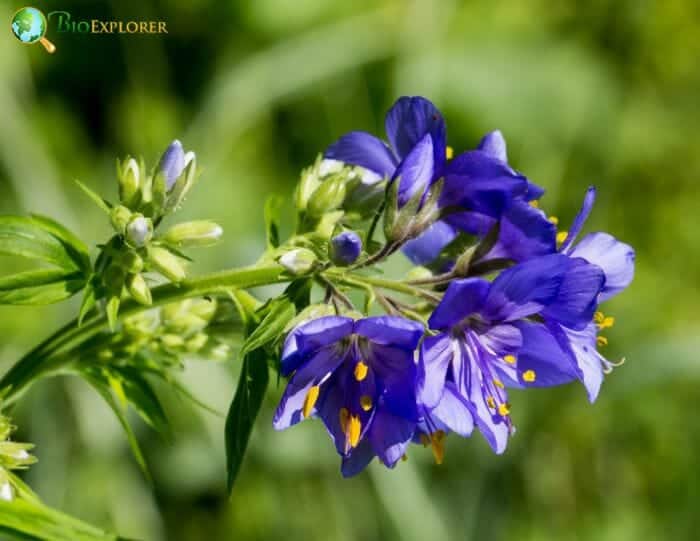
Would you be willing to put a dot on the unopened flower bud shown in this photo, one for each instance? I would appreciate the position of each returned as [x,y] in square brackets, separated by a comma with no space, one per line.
[172,341]
[139,290]
[298,261]
[16,455]
[183,183]
[129,181]
[131,262]
[203,308]
[171,163]
[345,248]
[220,352]
[197,233]
[166,263]
[120,217]
[7,493]
[139,231]
[308,184]
[328,196]
[197,342]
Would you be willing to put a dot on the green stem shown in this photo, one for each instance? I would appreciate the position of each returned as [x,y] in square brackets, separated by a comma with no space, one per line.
[44,357]
[393,285]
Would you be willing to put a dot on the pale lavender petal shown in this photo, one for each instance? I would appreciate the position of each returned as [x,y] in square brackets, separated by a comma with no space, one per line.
[614,257]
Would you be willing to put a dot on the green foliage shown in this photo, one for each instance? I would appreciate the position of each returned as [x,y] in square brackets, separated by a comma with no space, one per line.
[260,349]
[43,240]
[22,519]
[246,404]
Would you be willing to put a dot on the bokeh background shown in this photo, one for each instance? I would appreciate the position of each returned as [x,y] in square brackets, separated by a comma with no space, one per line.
[602,92]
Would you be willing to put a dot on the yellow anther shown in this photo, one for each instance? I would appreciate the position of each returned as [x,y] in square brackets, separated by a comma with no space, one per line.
[449,152]
[437,443]
[561,236]
[503,409]
[425,440]
[366,402]
[498,383]
[352,432]
[343,415]
[535,204]
[361,371]
[510,359]
[529,376]
[490,402]
[598,317]
[554,220]
[310,400]
[607,322]
[601,341]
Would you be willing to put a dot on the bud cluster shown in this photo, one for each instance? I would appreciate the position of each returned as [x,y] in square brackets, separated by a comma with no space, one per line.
[160,337]
[138,247]
[13,456]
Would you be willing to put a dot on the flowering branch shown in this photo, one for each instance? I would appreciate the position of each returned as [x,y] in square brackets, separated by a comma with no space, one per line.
[497,297]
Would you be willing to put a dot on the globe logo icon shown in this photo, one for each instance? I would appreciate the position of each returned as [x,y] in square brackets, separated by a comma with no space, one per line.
[29,26]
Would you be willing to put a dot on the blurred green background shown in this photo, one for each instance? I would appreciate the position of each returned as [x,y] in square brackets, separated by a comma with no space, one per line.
[602,92]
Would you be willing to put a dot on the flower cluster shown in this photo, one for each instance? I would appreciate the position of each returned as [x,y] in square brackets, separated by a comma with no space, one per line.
[506,299]
[136,248]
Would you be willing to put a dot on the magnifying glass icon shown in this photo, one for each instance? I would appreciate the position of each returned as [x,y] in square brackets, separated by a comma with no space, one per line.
[29,26]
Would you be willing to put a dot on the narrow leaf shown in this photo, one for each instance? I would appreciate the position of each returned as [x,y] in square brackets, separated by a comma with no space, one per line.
[102,387]
[25,237]
[99,201]
[244,409]
[278,313]
[141,396]
[40,287]
[24,519]
[74,246]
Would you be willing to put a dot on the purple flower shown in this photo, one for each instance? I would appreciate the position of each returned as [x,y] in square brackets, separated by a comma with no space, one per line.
[359,377]
[345,248]
[481,189]
[579,344]
[416,153]
[567,350]
[464,370]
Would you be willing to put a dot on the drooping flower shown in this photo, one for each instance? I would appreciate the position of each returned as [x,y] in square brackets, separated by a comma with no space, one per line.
[482,189]
[578,345]
[359,378]
[464,370]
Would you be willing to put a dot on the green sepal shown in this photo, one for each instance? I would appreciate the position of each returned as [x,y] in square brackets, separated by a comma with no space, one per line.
[103,204]
[273,206]
[112,311]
